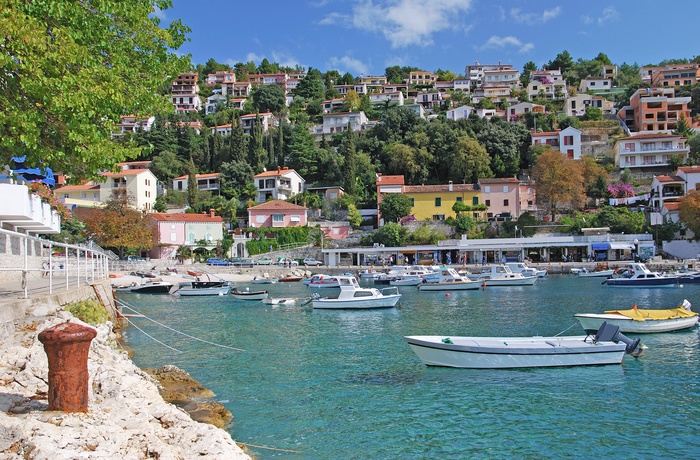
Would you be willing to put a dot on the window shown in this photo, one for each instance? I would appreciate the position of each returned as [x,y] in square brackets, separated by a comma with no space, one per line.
[487,202]
[277,218]
[475,200]
[505,202]
[629,147]
[568,140]
[505,189]
[173,237]
[438,202]
[259,219]
[459,199]
[413,202]
[295,218]
[438,217]
[172,226]
[487,189]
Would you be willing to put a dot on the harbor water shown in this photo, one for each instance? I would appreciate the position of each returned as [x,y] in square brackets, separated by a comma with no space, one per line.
[319,384]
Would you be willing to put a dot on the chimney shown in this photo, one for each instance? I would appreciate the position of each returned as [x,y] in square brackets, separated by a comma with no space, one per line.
[212,213]
[279,168]
[449,187]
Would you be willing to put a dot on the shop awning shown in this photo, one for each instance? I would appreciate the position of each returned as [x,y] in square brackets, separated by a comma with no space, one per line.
[600,246]
[621,246]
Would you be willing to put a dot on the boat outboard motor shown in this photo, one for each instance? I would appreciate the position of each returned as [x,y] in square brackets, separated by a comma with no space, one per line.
[611,333]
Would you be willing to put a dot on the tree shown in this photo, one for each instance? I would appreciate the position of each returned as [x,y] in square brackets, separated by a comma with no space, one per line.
[529,67]
[166,166]
[119,226]
[689,212]
[268,98]
[191,184]
[394,206]
[470,162]
[559,181]
[69,70]
[354,216]
[311,86]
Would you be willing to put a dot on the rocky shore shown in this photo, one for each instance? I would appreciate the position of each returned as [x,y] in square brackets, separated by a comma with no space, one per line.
[127,417]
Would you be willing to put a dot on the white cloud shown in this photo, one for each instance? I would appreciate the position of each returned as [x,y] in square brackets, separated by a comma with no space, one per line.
[496,42]
[409,22]
[609,14]
[534,18]
[335,19]
[348,64]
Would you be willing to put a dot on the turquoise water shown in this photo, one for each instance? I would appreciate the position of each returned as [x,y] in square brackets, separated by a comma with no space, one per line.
[345,385]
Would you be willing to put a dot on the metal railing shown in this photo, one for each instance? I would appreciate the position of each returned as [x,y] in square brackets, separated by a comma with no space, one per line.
[37,267]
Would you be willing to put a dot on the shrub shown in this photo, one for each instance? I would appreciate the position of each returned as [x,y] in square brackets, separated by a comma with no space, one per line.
[90,311]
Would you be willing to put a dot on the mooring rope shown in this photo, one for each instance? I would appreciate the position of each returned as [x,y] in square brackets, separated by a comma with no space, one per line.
[124,304]
[566,329]
[151,337]
[268,448]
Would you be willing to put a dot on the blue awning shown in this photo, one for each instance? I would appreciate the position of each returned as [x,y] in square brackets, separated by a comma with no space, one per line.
[600,246]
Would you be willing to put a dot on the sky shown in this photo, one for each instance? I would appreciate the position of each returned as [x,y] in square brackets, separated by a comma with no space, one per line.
[364,37]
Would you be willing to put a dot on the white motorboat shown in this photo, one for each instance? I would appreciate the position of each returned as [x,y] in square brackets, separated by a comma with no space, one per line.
[352,296]
[522,267]
[247,294]
[638,275]
[200,288]
[322,281]
[601,270]
[449,280]
[279,300]
[369,273]
[502,275]
[406,280]
[642,321]
[263,280]
[608,346]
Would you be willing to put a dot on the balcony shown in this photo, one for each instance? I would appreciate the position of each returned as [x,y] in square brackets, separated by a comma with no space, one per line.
[25,212]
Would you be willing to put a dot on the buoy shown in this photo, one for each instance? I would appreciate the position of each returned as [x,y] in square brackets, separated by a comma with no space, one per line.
[447,294]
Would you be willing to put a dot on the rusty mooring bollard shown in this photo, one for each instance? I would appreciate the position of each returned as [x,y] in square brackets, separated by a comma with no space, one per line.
[67,346]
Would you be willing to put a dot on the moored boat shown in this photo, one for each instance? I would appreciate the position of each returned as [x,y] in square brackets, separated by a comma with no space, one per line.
[406,280]
[642,321]
[247,294]
[149,287]
[502,275]
[352,296]
[522,267]
[279,300]
[608,346]
[263,280]
[638,275]
[203,288]
[449,280]
[289,279]
[322,281]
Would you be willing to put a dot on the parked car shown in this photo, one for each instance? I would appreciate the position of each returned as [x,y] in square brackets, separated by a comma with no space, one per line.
[312,262]
[286,261]
[264,261]
[218,261]
[244,263]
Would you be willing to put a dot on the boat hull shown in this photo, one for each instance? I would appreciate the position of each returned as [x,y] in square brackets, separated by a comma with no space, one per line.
[641,282]
[517,281]
[598,274]
[249,295]
[387,301]
[161,288]
[592,322]
[189,291]
[450,286]
[514,352]
[279,300]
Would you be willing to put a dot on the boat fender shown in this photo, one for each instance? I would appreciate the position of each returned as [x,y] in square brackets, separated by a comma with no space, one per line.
[447,340]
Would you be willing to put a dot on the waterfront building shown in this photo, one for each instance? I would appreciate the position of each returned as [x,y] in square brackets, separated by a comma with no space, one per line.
[173,230]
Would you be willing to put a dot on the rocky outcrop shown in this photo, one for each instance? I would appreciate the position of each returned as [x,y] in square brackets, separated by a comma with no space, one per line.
[126,418]
[178,387]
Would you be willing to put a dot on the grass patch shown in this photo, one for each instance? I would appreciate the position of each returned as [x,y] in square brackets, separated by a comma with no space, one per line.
[90,311]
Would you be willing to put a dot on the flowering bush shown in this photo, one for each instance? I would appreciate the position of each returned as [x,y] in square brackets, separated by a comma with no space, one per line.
[407,219]
[620,191]
[46,195]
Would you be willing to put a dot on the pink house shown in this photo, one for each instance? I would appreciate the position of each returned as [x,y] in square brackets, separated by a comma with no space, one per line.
[277,213]
[177,229]
[501,196]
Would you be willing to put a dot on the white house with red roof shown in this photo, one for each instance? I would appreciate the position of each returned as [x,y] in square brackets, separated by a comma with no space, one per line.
[280,184]
[184,229]
[649,151]
[666,192]
[207,182]
[277,214]
[567,141]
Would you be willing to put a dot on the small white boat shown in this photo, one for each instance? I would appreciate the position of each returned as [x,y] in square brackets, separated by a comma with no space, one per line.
[522,267]
[642,321]
[352,296]
[638,275]
[607,347]
[279,300]
[247,294]
[501,275]
[257,280]
[201,288]
[601,271]
[406,280]
[369,273]
[449,280]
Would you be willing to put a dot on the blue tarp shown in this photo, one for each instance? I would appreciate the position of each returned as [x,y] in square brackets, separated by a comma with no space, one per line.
[600,246]
[32,174]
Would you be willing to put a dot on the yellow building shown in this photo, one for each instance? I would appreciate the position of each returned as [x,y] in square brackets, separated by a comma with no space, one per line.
[434,202]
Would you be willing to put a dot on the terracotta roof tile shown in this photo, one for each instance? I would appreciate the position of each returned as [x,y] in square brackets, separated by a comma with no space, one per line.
[185,217]
[439,188]
[278,205]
